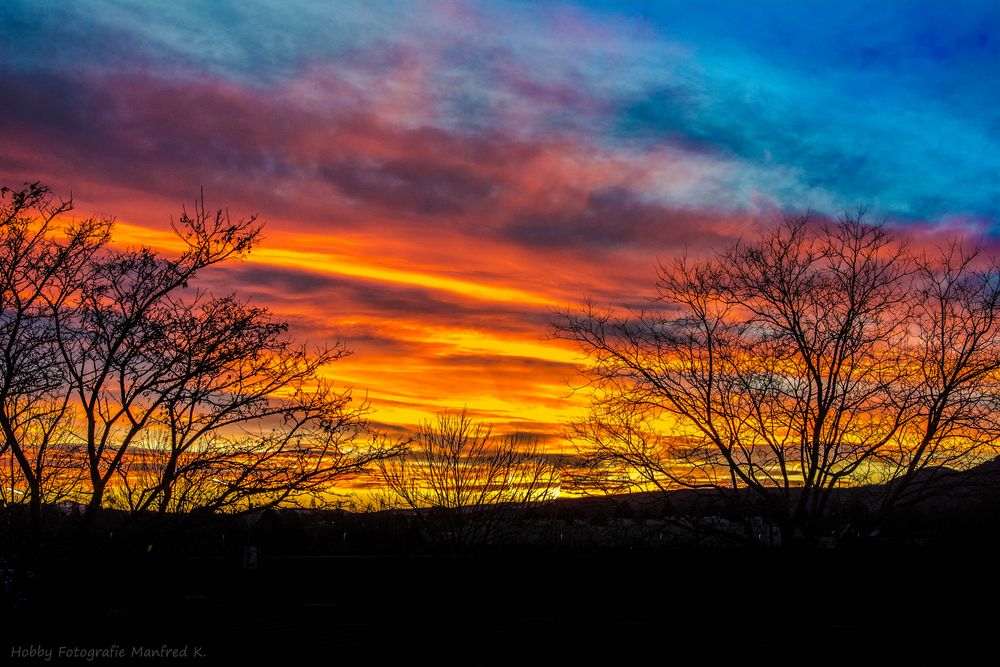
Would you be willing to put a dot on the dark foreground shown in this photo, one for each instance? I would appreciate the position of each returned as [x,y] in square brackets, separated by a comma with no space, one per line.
[520,607]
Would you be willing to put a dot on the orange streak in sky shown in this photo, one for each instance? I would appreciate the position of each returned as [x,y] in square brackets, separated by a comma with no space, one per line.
[405,391]
[347,265]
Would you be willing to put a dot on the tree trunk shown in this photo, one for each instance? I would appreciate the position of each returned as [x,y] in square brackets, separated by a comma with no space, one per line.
[34,505]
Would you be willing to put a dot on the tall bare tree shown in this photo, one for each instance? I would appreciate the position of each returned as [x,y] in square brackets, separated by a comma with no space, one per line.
[115,340]
[464,483]
[45,259]
[818,356]
[113,366]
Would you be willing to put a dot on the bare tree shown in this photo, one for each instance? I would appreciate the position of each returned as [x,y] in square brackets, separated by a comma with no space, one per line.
[165,398]
[115,340]
[955,365]
[819,356]
[44,261]
[464,483]
[234,366]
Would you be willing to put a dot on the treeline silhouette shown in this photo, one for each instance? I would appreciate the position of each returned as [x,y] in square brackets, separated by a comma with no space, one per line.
[799,388]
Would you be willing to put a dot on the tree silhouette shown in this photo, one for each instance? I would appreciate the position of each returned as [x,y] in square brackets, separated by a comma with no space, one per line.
[819,356]
[165,397]
[464,483]
[44,260]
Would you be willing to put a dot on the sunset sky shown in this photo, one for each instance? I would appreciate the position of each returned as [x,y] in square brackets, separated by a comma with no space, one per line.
[437,177]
